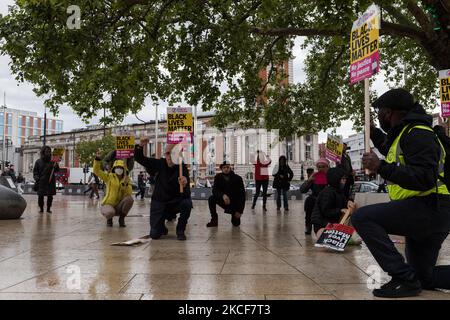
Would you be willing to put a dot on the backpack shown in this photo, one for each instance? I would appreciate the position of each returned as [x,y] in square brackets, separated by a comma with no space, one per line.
[445,141]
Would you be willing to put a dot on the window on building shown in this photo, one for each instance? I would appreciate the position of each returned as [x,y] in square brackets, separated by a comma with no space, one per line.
[9,118]
[308,152]
[35,122]
[290,149]
[20,132]
[9,130]
[20,121]
[28,122]
[35,132]
[211,169]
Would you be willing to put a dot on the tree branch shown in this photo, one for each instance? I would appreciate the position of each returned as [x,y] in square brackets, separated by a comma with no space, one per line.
[395,13]
[394,29]
[387,28]
[335,60]
[421,17]
[292,31]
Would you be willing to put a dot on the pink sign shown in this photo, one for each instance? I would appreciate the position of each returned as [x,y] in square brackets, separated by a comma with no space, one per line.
[332,156]
[365,68]
[124,154]
[444,84]
[178,137]
[445,109]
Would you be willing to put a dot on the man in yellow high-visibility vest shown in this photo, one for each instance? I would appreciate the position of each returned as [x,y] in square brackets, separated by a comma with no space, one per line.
[419,208]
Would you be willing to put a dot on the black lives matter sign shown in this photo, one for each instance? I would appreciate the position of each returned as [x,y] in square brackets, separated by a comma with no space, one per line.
[335,236]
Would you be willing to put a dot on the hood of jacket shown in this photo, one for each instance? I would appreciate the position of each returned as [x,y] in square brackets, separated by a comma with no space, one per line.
[119,163]
[334,176]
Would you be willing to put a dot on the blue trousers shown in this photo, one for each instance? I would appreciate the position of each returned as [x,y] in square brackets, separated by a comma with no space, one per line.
[285,199]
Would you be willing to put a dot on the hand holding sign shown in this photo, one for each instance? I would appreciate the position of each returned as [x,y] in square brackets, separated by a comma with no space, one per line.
[371,161]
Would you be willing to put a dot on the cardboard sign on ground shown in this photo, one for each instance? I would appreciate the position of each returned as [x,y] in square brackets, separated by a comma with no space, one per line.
[335,236]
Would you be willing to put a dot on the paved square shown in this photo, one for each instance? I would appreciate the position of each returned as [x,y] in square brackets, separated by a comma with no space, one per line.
[267,257]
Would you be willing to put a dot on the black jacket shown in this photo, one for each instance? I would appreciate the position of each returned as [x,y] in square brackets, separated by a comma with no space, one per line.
[283,177]
[167,188]
[41,174]
[421,152]
[346,164]
[420,149]
[141,182]
[233,188]
[330,200]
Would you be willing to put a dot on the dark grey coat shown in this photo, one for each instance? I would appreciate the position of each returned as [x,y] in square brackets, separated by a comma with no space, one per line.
[41,173]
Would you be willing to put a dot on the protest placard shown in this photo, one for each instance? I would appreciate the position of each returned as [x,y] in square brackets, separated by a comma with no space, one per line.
[364,44]
[57,154]
[124,147]
[444,89]
[180,126]
[334,149]
[335,236]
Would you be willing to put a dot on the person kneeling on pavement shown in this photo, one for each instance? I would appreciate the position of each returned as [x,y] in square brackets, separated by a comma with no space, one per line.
[118,199]
[167,200]
[331,202]
[229,193]
[419,208]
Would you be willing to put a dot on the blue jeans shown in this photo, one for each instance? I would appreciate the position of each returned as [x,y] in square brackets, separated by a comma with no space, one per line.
[285,199]
[159,211]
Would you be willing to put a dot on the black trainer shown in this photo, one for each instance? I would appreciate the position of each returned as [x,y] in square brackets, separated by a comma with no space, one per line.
[109,222]
[181,236]
[398,289]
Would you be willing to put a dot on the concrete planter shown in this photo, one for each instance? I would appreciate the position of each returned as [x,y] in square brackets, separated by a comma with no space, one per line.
[205,193]
[28,189]
[74,190]
[367,198]
[292,195]
[12,204]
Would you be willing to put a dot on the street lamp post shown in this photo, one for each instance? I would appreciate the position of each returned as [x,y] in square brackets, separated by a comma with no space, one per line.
[45,125]
[4,128]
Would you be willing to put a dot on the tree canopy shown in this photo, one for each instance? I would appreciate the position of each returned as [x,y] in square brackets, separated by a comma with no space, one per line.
[87,149]
[209,53]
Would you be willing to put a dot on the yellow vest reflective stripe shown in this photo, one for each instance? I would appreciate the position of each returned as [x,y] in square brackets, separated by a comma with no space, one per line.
[395,155]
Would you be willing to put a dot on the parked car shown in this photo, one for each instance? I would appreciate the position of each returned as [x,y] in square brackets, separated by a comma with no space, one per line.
[365,186]
[251,186]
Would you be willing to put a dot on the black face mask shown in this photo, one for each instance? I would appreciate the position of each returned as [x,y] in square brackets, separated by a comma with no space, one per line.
[384,123]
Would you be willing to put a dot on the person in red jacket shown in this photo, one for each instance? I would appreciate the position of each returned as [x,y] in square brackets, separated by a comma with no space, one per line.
[261,178]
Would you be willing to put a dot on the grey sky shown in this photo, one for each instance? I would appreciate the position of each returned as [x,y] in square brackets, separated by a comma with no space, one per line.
[21,95]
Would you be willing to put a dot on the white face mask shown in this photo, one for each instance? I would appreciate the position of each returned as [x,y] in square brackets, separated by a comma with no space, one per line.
[118,171]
